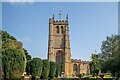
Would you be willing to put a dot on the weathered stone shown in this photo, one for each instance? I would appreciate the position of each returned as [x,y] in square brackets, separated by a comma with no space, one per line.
[59,48]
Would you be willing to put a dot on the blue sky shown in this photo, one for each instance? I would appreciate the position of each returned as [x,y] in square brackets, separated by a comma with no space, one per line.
[89,24]
[60,0]
[119,18]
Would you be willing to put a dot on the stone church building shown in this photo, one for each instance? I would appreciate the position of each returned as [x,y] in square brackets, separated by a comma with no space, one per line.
[59,50]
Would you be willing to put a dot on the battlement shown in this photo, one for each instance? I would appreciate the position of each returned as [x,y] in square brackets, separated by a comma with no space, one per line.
[58,22]
[79,61]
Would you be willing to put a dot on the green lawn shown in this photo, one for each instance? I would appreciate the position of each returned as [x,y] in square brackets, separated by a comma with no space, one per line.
[107,76]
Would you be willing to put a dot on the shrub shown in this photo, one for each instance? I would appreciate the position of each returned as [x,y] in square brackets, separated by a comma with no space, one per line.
[36,67]
[52,69]
[45,69]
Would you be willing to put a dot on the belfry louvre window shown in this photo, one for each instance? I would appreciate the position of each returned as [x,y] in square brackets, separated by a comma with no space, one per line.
[57,29]
[62,29]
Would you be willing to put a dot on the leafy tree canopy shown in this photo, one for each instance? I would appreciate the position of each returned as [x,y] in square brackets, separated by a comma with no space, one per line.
[36,67]
[110,55]
[13,57]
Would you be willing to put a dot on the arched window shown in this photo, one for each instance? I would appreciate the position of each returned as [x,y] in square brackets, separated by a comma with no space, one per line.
[57,29]
[59,57]
[62,29]
[75,67]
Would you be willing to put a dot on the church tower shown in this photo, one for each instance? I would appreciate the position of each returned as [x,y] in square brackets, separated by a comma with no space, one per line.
[59,44]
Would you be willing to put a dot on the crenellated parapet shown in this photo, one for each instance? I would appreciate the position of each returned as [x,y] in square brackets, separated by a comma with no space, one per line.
[79,61]
[58,22]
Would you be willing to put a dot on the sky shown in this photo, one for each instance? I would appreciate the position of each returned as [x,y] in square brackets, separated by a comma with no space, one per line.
[89,24]
[60,0]
[119,18]
[0,25]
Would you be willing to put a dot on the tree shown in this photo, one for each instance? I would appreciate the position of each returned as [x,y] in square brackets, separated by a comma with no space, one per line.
[28,67]
[35,67]
[109,47]
[58,70]
[62,68]
[94,64]
[52,69]
[13,63]
[109,56]
[28,57]
[45,69]
[13,57]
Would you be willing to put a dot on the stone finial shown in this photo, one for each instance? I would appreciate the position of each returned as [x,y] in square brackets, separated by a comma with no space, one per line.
[67,17]
[60,12]
[53,16]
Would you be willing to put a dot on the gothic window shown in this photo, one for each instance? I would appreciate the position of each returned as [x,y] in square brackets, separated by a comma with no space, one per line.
[57,29]
[59,57]
[61,29]
[75,67]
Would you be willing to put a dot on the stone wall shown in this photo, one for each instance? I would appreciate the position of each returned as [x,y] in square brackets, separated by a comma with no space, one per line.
[82,67]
